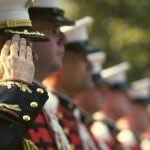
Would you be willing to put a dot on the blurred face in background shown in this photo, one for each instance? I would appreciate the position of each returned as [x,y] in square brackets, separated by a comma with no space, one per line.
[77,71]
[91,100]
[116,102]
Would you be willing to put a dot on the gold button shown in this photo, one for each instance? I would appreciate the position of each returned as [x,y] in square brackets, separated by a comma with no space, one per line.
[40,90]
[34,104]
[26,118]
[66,131]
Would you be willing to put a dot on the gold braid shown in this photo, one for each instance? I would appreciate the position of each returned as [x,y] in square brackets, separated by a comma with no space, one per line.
[29,145]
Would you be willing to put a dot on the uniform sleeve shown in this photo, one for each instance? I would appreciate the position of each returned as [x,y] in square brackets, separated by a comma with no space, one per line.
[20,103]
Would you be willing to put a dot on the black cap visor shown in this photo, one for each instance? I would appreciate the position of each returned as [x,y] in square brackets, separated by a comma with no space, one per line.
[82,46]
[54,15]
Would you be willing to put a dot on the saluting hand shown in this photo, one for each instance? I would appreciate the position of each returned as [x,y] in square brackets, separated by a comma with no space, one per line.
[16,60]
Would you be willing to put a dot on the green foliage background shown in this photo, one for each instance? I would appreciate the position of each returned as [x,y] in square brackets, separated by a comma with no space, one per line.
[121,28]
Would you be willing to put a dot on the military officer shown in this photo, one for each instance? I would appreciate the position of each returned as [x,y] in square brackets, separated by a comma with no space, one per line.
[74,77]
[114,105]
[21,99]
[46,131]
[141,100]
[92,99]
[135,130]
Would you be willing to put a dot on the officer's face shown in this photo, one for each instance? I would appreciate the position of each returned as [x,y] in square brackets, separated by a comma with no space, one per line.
[49,53]
[91,100]
[116,102]
[77,70]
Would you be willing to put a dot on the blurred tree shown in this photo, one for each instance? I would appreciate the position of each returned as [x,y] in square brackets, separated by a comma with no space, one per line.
[121,28]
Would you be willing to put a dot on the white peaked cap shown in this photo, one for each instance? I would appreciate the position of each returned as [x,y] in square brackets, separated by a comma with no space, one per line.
[97,59]
[13,10]
[116,74]
[78,32]
[141,88]
[47,3]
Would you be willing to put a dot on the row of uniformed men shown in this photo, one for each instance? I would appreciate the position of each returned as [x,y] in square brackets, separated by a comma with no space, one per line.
[59,124]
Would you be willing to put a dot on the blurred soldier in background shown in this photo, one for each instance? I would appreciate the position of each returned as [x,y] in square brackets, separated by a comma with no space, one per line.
[73,78]
[115,94]
[114,106]
[47,16]
[91,100]
[135,126]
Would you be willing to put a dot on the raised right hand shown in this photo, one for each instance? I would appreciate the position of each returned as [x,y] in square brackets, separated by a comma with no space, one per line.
[16,60]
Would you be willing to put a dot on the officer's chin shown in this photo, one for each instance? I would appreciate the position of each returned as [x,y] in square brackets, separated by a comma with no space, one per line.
[56,67]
